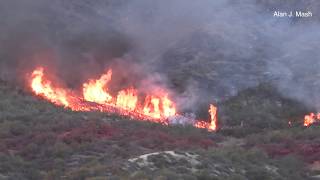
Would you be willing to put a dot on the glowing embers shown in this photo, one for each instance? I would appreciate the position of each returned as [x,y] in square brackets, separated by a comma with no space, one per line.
[311,119]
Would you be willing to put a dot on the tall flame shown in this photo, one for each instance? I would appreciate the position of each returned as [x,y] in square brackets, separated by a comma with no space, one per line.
[159,106]
[169,108]
[152,107]
[213,124]
[214,118]
[44,88]
[156,107]
[127,99]
[94,90]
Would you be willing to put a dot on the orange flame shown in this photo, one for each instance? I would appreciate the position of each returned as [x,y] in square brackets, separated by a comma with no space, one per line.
[156,107]
[127,99]
[44,88]
[213,116]
[169,108]
[94,90]
[152,107]
[159,107]
[311,119]
[213,124]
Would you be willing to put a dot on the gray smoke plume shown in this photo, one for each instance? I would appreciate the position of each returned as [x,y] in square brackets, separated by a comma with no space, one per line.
[205,51]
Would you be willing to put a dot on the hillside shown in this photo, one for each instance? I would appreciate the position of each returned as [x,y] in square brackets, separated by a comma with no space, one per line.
[41,141]
[140,78]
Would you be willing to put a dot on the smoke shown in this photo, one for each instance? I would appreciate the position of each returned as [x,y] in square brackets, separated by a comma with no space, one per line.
[202,50]
[296,67]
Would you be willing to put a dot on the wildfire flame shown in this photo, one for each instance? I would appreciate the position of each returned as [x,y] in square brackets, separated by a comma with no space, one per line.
[169,108]
[95,90]
[213,124]
[44,88]
[311,119]
[152,107]
[127,99]
[214,118]
[156,107]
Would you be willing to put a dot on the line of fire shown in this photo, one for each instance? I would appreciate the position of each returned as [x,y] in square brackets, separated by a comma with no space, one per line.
[156,107]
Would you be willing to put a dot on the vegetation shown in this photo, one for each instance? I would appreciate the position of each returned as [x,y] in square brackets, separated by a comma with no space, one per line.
[41,141]
[260,108]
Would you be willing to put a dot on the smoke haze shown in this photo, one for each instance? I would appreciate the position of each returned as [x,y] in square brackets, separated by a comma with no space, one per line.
[202,50]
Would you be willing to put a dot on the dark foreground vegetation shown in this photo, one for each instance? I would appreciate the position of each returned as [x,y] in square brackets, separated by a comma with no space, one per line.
[41,141]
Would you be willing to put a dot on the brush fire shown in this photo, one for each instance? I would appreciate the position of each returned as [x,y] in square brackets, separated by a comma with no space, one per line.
[311,118]
[156,107]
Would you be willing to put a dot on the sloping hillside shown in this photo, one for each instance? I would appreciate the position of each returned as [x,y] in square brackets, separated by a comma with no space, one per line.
[40,141]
